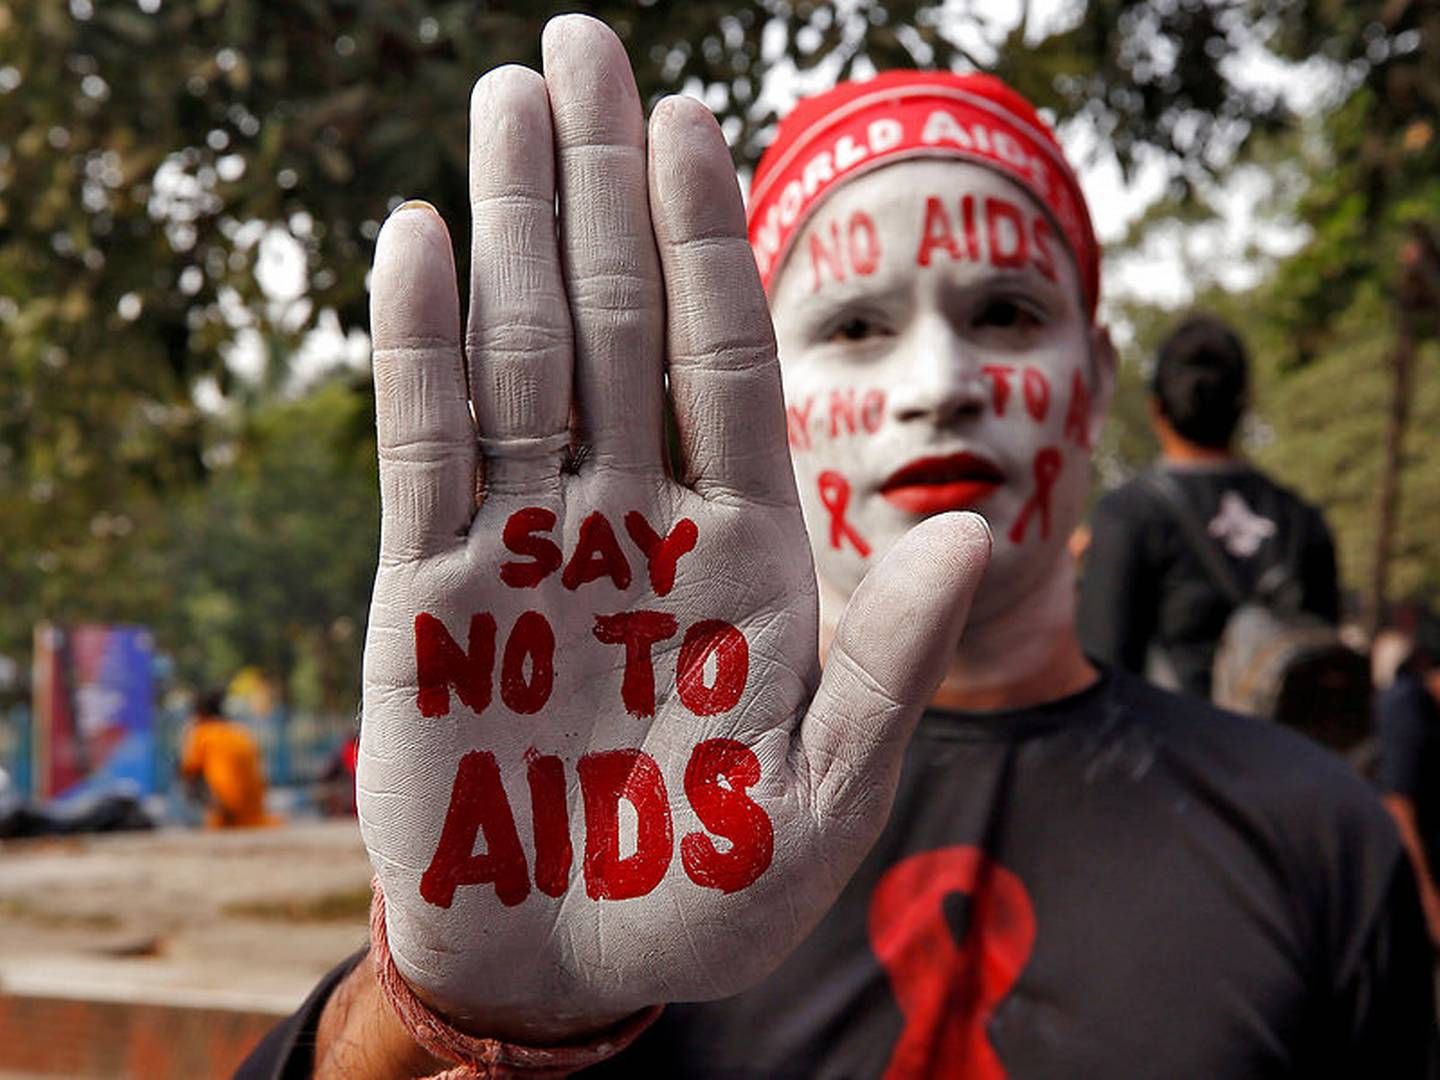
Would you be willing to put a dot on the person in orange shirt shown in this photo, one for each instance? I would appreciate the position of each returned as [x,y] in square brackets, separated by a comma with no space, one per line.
[223,755]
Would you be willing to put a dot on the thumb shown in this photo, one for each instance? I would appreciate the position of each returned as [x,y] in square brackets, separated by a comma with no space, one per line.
[890,651]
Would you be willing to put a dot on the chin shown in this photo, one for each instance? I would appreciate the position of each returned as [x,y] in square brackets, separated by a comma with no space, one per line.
[1018,575]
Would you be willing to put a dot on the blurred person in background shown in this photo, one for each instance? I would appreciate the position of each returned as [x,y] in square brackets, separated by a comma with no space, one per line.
[337,782]
[1388,653]
[1409,721]
[1150,602]
[221,761]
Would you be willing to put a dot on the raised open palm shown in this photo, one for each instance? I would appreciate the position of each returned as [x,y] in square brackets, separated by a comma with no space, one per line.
[599,766]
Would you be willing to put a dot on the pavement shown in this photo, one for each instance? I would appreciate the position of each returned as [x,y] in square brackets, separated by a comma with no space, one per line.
[245,921]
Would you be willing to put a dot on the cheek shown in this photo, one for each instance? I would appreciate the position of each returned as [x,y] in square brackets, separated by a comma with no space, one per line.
[1078,409]
[1049,401]
[842,441]
[839,515]
[829,419]
[1035,520]
[1027,394]
[1047,412]
[830,430]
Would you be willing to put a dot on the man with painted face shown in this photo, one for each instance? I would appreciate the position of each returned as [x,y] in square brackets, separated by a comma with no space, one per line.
[945,856]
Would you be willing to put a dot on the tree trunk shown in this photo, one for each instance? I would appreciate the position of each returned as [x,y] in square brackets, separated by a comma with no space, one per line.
[1417,295]
[1387,516]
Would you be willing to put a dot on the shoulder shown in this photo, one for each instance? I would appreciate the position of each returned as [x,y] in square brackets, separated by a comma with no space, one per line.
[231,735]
[1404,690]
[1284,818]
[1404,700]
[1301,507]
[1131,503]
[1308,805]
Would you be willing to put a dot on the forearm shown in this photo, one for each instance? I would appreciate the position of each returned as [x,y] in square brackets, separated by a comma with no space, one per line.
[1403,811]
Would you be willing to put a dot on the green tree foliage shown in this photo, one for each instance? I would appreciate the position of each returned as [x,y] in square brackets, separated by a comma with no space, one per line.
[1327,424]
[154,138]
[146,146]
[1376,165]
[1326,324]
[277,550]
[1323,326]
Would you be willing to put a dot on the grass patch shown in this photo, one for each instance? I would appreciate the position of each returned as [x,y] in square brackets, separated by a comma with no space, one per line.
[350,906]
[48,917]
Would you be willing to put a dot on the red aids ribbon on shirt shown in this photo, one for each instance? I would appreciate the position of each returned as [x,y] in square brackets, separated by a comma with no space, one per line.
[856,127]
[949,987]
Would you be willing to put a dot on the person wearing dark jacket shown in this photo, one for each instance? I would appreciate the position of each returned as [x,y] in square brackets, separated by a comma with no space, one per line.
[1147,603]
[1408,713]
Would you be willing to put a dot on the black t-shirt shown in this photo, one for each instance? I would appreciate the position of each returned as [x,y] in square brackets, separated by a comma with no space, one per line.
[1410,754]
[1120,884]
[1144,588]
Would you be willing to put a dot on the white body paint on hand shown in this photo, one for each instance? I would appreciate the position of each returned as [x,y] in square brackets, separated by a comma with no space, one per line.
[564,832]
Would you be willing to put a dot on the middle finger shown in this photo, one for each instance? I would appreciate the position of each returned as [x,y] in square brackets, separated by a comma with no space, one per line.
[612,271]
[519,340]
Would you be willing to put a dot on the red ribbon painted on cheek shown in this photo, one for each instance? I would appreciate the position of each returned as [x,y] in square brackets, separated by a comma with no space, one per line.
[835,497]
[1047,470]
[949,980]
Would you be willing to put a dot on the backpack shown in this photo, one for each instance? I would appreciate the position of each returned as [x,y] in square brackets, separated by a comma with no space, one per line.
[1275,660]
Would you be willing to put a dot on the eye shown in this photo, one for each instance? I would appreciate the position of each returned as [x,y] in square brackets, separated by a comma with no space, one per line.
[1004,313]
[854,329]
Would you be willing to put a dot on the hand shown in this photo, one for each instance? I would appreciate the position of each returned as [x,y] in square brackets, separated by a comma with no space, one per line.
[599,767]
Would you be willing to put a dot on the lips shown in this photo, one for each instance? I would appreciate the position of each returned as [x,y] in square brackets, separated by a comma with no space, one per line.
[934,484]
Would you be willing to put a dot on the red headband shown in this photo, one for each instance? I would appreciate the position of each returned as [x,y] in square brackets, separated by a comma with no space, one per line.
[855,127]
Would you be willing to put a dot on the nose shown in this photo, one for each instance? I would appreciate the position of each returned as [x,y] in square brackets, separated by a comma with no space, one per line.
[941,381]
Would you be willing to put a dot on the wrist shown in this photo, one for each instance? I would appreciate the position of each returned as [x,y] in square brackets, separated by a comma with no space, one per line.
[521,1029]
[359,1037]
[497,1043]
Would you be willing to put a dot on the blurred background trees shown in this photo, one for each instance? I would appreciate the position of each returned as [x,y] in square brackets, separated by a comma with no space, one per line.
[189,189]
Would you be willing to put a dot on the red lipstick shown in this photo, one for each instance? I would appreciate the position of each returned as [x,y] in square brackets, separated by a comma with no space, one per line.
[933,484]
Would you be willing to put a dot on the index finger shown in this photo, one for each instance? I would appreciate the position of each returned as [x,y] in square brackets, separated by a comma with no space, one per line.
[724,376]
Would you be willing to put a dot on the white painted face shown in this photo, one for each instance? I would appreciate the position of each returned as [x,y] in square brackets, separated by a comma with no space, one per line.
[937,356]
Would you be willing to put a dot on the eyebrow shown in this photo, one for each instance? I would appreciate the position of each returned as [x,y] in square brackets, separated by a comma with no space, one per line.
[1027,279]
[886,293]
[820,313]
[840,294]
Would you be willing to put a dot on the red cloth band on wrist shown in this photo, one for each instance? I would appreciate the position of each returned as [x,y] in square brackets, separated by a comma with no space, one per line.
[485,1058]
[856,127]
